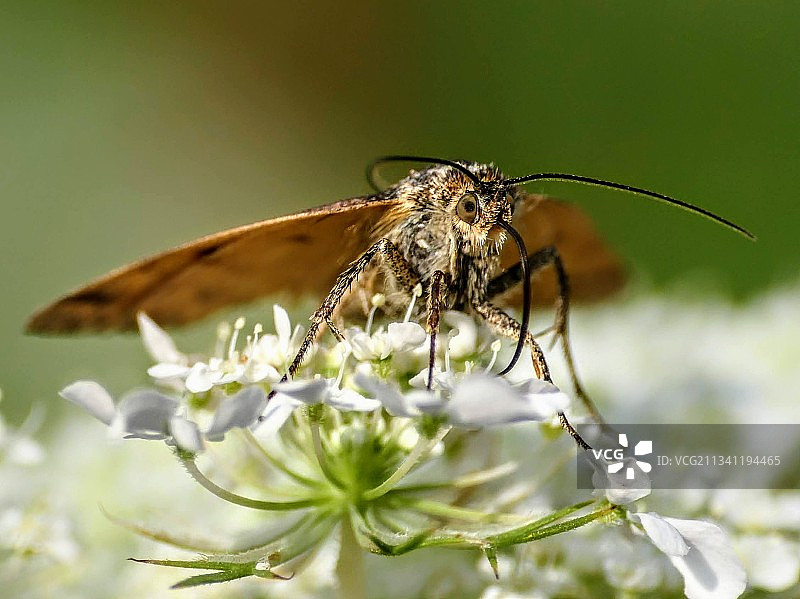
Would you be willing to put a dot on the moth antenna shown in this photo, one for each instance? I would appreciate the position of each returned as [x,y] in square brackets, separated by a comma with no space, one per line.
[526,293]
[636,190]
[423,159]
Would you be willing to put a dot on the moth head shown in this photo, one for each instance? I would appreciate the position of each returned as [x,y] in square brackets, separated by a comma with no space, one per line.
[476,210]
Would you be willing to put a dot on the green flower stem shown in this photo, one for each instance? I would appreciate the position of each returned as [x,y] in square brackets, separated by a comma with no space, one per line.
[322,457]
[182,541]
[350,565]
[259,448]
[473,479]
[198,476]
[421,449]
[436,508]
[535,531]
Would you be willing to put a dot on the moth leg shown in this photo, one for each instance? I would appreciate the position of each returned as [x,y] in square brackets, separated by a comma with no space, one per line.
[435,297]
[334,329]
[503,324]
[391,256]
[538,260]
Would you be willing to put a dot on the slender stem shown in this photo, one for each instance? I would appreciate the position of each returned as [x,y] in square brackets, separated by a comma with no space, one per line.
[468,480]
[190,543]
[436,508]
[420,450]
[322,458]
[350,565]
[256,504]
[259,448]
[528,534]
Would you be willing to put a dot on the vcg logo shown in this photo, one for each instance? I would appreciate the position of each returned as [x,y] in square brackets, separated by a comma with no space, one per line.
[616,456]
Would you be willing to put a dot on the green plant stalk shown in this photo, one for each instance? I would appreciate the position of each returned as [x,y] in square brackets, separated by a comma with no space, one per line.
[350,572]
[535,531]
[256,504]
[420,450]
[452,512]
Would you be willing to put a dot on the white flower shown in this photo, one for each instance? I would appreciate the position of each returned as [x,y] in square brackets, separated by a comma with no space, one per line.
[757,508]
[445,380]
[399,337]
[256,363]
[701,552]
[327,391]
[293,394]
[149,414]
[408,405]
[279,349]
[93,398]
[618,488]
[631,563]
[238,411]
[17,447]
[185,434]
[36,532]
[480,400]
[157,342]
[145,414]
[772,562]
[203,376]
[476,400]
[277,412]
[462,341]
[170,363]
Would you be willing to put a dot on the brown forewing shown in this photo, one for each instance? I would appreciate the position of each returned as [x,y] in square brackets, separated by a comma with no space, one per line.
[300,254]
[593,270]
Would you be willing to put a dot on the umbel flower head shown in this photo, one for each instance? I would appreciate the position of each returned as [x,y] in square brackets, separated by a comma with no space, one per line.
[357,443]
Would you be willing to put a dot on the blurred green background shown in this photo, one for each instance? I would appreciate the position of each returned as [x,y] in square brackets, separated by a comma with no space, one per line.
[127,129]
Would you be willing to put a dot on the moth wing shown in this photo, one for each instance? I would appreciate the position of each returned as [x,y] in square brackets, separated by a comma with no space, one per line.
[300,254]
[594,271]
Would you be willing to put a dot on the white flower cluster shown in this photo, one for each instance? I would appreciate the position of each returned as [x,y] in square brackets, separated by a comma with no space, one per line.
[459,397]
[377,378]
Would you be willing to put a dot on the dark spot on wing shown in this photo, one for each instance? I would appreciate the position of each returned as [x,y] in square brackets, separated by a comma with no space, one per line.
[208,251]
[92,296]
[299,238]
[204,295]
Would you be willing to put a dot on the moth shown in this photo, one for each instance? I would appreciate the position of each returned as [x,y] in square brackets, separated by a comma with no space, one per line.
[444,228]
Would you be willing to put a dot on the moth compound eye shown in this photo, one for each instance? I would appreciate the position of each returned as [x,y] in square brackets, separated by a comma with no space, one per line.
[467,208]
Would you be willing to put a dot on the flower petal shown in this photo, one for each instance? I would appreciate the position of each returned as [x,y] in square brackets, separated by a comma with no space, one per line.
[146,414]
[464,342]
[425,401]
[166,370]
[664,536]
[186,434]
[370,347]
[405,336]
[348,400]
[25,452]
[480,400]
[93,398]
[157,342]
[710,569]
[277,412]
[199,380]
[309,391]
[546,399]
[618,488]
[238,411]
[389,395]
[283,326]
[257,371]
